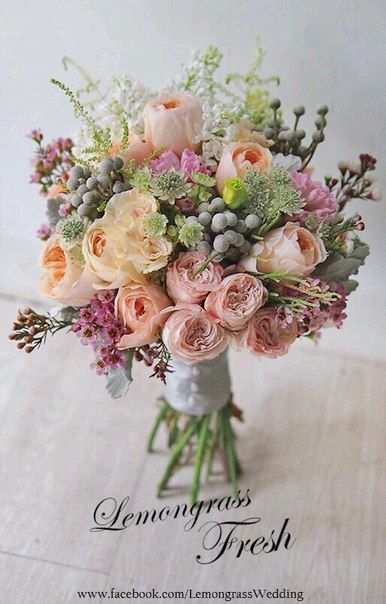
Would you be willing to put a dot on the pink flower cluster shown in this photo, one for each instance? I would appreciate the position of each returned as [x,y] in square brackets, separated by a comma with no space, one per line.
[213,310]
[50,162]
[98,326]
[314,305]
[44,232]
[188,163]
[319,199]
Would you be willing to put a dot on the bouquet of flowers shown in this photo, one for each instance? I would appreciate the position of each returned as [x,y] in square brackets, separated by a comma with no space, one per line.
[185,222]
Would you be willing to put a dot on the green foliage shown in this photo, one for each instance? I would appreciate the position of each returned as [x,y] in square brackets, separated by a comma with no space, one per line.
[141,178]
[154,224]
[203,188]
[79,109]
[169,186]
[71,228]
[270,195]
[190,233]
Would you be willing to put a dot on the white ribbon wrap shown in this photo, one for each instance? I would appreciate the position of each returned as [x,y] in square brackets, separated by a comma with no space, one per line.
[199,389]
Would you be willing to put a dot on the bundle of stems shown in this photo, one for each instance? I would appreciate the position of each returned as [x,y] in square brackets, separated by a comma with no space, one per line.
[201,437]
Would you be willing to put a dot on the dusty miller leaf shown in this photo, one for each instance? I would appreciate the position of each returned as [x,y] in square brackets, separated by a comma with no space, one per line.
[338,268]
[52,211]
[118,381]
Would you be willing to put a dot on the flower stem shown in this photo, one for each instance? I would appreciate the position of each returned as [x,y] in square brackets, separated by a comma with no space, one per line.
[176,454]
[160,417]
[212,449]
[230,450]
[202,440]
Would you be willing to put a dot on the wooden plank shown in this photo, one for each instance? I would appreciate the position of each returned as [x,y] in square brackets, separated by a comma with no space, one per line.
[26,581]
[66,446]
[312,453]
[311,447]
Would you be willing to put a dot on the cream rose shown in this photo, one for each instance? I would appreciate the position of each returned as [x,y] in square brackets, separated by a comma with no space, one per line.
[184,286]
[123,224]
[104,257]
[264,337]
[124,210]
[63,279]
[236,300]
[138,307]
[173,121]
[290,248]
[114,247]
[239,158]
[192,335]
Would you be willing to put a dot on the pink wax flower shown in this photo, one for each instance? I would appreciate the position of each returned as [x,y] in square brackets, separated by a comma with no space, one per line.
[44,232]
[97,326]
[186,205]
[65,209]
[317,196]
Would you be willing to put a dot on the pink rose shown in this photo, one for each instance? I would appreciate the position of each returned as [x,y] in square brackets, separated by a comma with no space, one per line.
[137,149]
[173,121]
[264,337]
[138,307]
[236,300]
[239,158]
[181,283]
[290,248]
[192,335]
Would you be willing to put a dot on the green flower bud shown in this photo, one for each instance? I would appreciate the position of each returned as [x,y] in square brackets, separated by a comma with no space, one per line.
[235,193]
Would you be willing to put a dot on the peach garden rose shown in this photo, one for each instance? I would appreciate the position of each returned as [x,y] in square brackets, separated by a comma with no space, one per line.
[239,158]
[236,300]
[192,335]
[63,279]
[173,121]
[289,248]
[137,149]
[138,307]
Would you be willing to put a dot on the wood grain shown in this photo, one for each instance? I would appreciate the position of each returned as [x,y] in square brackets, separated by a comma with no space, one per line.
[312,447]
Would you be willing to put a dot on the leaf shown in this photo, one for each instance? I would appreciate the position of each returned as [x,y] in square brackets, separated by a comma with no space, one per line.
[338,268]
[350,285]
[203,179]
[52,211]
[118,381]
[68,314]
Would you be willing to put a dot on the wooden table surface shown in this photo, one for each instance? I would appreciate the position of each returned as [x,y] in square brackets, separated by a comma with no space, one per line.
[312,447]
